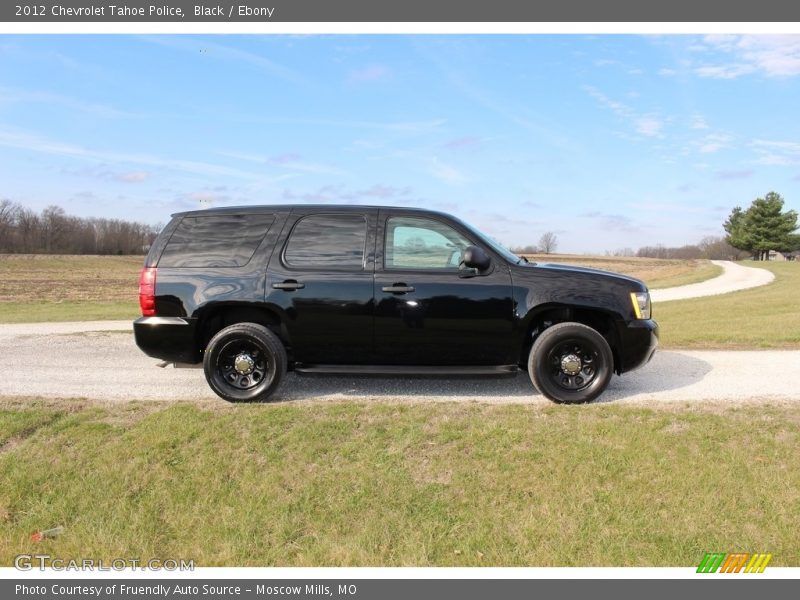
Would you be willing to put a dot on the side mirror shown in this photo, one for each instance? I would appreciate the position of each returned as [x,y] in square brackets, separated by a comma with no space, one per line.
[476,258]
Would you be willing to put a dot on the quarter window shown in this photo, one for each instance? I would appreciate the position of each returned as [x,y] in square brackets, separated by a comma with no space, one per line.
[419,243]
[326,241]
[218,241]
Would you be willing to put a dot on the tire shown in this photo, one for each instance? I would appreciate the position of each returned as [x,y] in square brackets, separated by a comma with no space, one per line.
[245,362]
[570,363]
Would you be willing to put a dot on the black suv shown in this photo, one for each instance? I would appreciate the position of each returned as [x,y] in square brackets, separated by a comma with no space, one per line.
[252,292]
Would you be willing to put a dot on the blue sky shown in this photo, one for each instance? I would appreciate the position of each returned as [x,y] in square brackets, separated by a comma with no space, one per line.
[610,141]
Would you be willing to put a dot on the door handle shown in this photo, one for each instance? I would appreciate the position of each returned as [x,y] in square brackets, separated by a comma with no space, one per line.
[289,285]
[398,288]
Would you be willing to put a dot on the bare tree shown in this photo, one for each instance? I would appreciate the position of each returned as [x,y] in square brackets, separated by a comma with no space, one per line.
[28,230]
[548,242]
[7,219]
[53,231]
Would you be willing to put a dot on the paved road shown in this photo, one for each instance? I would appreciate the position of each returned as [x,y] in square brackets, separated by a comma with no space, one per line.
[734,278]
[106,365]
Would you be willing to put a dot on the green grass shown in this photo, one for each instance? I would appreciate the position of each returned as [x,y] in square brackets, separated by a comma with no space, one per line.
[763,317]
[394,484]
[16,312]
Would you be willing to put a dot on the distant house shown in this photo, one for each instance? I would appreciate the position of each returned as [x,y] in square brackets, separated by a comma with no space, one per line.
[781,256]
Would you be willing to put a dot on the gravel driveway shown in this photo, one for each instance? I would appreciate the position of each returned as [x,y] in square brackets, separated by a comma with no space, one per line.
[734,278]
[107,365]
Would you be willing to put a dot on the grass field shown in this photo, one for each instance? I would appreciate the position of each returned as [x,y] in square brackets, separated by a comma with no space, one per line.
[656,272]
[399,484]
[35,288]
[764,317]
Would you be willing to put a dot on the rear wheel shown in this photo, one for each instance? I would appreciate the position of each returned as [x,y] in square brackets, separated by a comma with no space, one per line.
[570,363]
[245,362]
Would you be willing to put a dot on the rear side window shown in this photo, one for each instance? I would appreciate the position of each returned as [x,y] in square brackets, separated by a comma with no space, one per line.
[218,241]
[326,241]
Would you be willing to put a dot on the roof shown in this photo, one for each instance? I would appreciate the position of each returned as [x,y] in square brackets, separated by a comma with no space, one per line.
[262,208]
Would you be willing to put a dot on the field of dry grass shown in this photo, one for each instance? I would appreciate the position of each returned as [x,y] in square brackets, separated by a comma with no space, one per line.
[656,272]
[47,278]
[39,287]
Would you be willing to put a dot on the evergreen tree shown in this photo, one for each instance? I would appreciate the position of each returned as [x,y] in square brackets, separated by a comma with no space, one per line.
[736,230]
[762,227]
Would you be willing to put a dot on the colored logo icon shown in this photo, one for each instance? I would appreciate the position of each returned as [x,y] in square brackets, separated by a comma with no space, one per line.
[740,562]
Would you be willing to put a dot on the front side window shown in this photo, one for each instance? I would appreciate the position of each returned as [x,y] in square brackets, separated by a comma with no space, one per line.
[420,243]
[215,241]
[327,241]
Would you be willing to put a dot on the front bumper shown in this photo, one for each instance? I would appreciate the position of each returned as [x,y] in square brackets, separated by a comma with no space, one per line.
[638,341]
[172,339]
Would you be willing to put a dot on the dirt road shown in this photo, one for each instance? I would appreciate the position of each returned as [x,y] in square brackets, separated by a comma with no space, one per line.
[735,277]
[107,365]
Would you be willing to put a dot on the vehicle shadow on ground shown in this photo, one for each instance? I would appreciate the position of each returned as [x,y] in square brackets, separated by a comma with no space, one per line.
[667,371]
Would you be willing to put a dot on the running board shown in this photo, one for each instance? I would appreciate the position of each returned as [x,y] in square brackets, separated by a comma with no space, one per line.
[406,370]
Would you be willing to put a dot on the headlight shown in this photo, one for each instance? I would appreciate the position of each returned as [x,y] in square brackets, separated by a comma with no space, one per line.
[641,304]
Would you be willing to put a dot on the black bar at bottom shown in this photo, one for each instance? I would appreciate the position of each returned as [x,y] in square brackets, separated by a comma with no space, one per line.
[731,586]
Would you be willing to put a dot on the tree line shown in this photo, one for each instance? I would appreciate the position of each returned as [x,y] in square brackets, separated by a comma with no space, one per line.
[710,248]
[52,231]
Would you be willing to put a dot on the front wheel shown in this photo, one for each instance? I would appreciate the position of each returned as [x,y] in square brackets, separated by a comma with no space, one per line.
[244,362]
[570,363]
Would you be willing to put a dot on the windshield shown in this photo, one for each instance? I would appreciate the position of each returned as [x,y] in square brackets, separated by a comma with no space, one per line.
[496,246]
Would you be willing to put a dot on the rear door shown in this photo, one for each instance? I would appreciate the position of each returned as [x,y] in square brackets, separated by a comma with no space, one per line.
[320,278]
[426,311]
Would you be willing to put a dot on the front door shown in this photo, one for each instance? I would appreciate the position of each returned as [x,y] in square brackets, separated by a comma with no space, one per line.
[428,310]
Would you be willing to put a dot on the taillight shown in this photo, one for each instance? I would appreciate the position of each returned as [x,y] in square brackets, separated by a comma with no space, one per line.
[147,291]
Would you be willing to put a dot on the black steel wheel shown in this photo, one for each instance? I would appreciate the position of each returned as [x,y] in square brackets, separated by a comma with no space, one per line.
[570,363]
[244,362]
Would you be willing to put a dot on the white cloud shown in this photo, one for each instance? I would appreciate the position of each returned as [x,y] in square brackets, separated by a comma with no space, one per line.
[730,71]
[133,176]
[214,50]
[288,161]
[699,122]
[20,96]
[649,126]
[447,173]
[730,174]
[771,55]
[370,73]
[714,142]
[667,72]
[788,147]
[23,140]
[777,152]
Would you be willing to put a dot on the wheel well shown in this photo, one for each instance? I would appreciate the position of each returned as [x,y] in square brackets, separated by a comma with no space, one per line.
[600,321]
[219,317]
